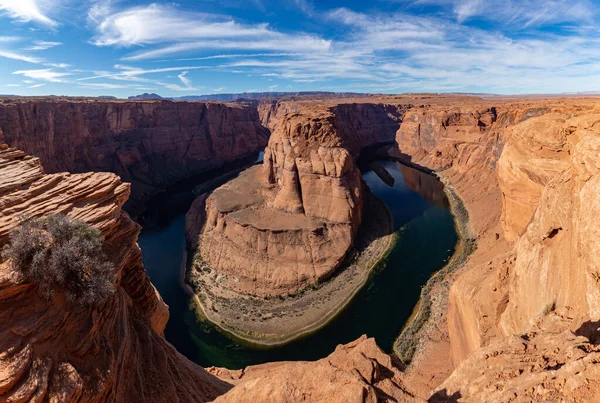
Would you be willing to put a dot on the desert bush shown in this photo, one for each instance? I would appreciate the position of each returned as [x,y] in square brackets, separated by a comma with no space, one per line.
[57,253]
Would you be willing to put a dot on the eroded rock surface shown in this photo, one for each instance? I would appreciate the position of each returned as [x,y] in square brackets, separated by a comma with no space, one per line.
[355,372]
[150,144]
[279,228]
[517,322]
[540,365]
[56,352]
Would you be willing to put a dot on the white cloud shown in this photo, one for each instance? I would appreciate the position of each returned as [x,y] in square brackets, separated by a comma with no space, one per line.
[36,86]
[44,74]
[58,65]
[176,31]
[523,13]
[160,23]
[128,73]
[220,89]
[26,10]
[43,45]
[13,85]
[18,56]
[305,7]
[137,75]
[186,81]
[4,39]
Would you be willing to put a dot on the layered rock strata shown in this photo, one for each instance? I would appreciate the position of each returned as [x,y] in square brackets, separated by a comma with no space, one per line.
[294,229]
[524,306]
[528,182]
[56,352]
[150,144]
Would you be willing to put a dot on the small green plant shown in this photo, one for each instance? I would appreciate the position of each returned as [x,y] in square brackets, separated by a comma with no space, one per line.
[57,253]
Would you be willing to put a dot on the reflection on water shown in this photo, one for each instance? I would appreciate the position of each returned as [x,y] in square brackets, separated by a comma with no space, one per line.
[426,239]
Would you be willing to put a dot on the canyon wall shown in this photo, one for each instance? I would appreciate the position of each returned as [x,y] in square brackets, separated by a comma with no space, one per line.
[528,181]
[58,352]
[295,228]
[524,305]
[556,262]
[150,144]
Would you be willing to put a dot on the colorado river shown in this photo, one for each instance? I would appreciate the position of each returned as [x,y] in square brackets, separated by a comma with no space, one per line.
[426,240]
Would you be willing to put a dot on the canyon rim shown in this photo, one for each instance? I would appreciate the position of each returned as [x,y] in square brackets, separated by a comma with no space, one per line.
[299,201]
[522,171]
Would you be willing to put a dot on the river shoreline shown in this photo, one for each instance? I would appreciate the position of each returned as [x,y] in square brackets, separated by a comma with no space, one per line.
[408,342]
[304,313]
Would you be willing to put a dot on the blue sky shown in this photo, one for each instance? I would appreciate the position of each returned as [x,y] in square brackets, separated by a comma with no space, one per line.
[190,47]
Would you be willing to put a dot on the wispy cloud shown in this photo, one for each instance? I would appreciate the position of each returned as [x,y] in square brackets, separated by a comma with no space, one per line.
[138,75]
[524,13]
[129,73]
[36,86]
[5,39]
[305,6]
[26,10]
[58,65]
[42,45]
[186,81]
[18,56]
[13,85]
[175,31]
[44,74]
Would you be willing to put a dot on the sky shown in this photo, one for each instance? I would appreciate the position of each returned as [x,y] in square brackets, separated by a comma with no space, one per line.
[192,47]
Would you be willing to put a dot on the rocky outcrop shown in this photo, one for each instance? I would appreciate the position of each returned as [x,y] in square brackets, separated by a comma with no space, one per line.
[294,229]
[438,138]
[58,352]
[533,155]
[529,186]
[355,372]
[148,143]
[540,365]
[556,258]
[517,322]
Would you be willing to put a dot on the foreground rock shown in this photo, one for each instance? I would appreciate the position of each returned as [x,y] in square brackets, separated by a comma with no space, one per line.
[540,365]
[355,372]
[150,144]
[51,351]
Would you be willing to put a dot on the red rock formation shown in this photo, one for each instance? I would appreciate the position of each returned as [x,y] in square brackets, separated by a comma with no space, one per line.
[557,256]
[543,364]
[150,144]
[52,351]
[355,372]
[296,227]
[530,175]
[524,308]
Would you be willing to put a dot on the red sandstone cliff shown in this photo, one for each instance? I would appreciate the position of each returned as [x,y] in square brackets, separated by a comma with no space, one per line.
[150,144]
[50,351]
[524,306]
[294,228]
[528,177]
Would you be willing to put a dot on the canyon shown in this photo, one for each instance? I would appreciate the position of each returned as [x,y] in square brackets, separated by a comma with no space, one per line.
[148,144]
[516,319]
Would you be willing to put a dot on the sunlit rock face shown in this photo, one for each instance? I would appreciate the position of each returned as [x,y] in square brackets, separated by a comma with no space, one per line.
[289,224]
[58,352]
